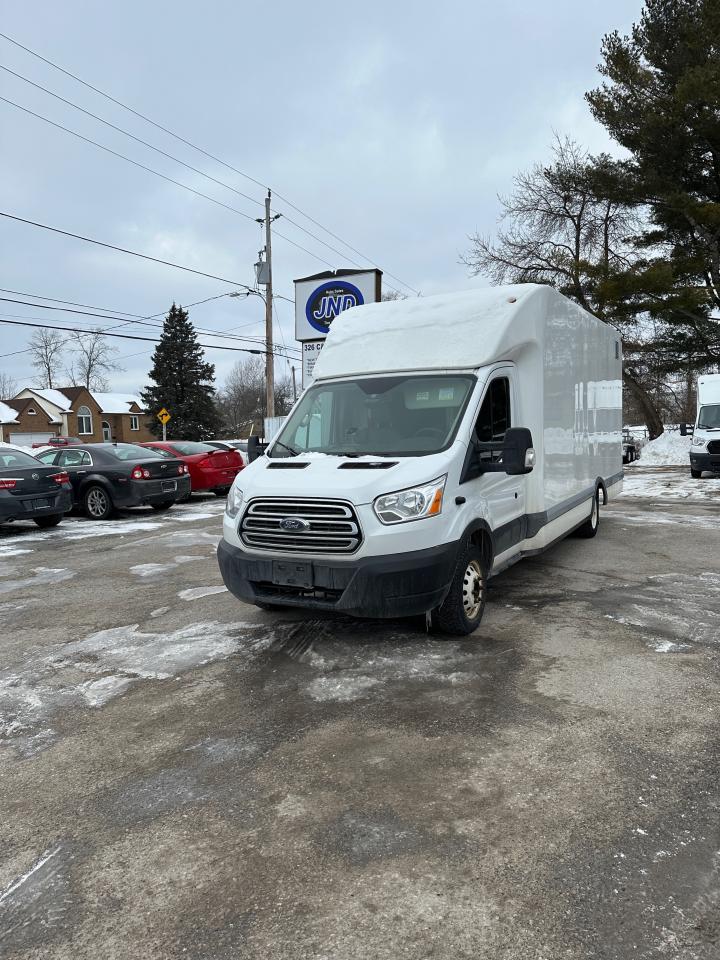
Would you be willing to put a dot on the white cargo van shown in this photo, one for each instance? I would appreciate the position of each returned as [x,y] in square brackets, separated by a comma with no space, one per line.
[705,447]
[443,439]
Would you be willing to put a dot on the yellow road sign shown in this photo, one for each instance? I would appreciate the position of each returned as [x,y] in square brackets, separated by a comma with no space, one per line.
[163,415]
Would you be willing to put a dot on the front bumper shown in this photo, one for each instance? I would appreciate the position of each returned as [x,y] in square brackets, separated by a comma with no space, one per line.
[377,587]
[13,507]
[135,493]
[705,461]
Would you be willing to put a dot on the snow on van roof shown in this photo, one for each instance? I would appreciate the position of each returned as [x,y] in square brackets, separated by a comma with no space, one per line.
[451,331]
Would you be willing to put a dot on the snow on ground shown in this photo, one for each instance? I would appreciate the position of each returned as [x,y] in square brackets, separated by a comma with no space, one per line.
[195,593]
[669,450]
[670,485]
[93,671]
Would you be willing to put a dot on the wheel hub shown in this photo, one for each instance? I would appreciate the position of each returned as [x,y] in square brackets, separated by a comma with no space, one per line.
[473,591]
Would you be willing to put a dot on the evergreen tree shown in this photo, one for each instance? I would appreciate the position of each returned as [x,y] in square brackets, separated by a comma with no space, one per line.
[182,382]
[661,101]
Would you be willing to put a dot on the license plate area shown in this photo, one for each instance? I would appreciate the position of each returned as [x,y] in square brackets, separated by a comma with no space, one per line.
[290,573]
[39,504]
[168,485]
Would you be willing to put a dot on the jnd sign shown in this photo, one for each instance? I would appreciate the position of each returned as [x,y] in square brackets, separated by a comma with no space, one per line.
[330,299]
[319,299]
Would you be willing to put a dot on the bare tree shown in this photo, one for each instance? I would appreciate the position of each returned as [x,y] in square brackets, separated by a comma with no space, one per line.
[8,386]
[46,350]
[91,359]
[558,228]
[242,400]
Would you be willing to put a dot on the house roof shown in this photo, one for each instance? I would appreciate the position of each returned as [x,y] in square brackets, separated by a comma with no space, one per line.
[56,397]
[116,402]
[7,414]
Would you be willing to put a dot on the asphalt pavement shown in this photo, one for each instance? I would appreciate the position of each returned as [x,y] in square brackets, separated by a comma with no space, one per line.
[184,776]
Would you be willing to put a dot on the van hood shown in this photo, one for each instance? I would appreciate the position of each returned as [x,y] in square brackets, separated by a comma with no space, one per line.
[357,479]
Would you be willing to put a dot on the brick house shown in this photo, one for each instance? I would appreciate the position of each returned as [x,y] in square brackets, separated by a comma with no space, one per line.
[91,415]
[8,421]
[32,421]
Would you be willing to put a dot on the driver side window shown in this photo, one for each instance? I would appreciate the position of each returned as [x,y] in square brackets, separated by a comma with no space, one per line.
[494,417]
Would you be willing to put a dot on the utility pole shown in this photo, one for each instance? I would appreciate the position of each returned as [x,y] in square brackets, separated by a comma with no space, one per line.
[294,387]
[269,358]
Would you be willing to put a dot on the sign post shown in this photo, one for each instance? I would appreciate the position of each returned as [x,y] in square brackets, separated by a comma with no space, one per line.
[163,416]
[320,298]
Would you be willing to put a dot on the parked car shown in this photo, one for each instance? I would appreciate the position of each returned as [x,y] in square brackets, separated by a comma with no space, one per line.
[57,442]
[210,468]
[105,476]
[31,490]
[232,445]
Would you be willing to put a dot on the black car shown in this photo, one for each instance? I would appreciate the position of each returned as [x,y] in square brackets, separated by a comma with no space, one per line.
[31,490]
[105,476]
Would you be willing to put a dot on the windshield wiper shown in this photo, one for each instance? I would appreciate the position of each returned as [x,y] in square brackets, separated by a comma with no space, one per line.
[285,446]
[701,426]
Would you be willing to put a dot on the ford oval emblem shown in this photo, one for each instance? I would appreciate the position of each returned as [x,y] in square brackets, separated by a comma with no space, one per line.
[330,299]
[294,523]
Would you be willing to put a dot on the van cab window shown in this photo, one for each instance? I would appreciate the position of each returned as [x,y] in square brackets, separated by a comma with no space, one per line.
[494,417]
[383,416]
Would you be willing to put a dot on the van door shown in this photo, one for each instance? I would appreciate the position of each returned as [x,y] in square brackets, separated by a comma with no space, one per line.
[498,498]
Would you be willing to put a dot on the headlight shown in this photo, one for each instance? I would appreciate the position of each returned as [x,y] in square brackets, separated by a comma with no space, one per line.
[411,504]
[699,442]
[234,501]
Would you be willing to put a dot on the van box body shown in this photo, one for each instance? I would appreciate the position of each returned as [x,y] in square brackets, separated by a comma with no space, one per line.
[705,446]
[562,368]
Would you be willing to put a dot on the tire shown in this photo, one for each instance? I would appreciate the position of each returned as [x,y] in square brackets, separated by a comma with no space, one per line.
[97,503]
[45,522]
[695,474]
[161,507]
[590,528]
[462,609]
[222,493]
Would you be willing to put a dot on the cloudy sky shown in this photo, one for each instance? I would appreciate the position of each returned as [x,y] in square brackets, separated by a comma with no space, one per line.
[394,125]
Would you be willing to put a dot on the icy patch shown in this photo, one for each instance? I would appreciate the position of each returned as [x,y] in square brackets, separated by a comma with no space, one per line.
[195,593]
[93,671]
[708,522]
[670,485]
[159,612]
[98,692]
[667,646]
[10,551]
[150,569]
[42,576]
[343,689]
[185,518]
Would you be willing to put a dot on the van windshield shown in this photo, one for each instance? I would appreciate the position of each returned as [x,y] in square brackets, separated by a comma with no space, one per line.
[709,417]
[383,416]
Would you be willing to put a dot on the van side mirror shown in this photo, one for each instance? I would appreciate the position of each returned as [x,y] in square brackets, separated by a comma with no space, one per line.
[683,429]
[518,456]
[255,448]
[516,451]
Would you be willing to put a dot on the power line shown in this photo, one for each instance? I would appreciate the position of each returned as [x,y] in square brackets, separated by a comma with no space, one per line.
[150,146]
[205,153]
[132,253]
[128,336]
[121,156]
[207,331]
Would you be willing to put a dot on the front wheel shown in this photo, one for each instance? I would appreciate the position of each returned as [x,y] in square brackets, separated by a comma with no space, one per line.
[695,474]
[221,492]
[45,522]
[97,503]
[590,527]
[462,609]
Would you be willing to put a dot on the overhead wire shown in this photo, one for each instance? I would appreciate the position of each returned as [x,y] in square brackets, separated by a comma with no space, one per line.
[207,154]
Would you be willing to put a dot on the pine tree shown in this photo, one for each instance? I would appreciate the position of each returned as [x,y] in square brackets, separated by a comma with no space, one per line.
[182,382]
[661,101]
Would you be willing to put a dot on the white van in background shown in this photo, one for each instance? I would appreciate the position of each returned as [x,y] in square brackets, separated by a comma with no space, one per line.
[443,439]
[705,447]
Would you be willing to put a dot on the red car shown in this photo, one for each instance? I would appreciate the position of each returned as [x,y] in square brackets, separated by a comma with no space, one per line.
[58,442]
[210,468]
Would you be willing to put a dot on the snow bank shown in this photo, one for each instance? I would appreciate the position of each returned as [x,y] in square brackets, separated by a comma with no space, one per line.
[669,450]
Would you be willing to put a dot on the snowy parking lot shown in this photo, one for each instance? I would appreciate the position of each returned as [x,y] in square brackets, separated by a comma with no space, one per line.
[182,775]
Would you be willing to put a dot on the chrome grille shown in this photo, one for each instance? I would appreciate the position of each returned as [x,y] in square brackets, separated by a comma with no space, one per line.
[332,526]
